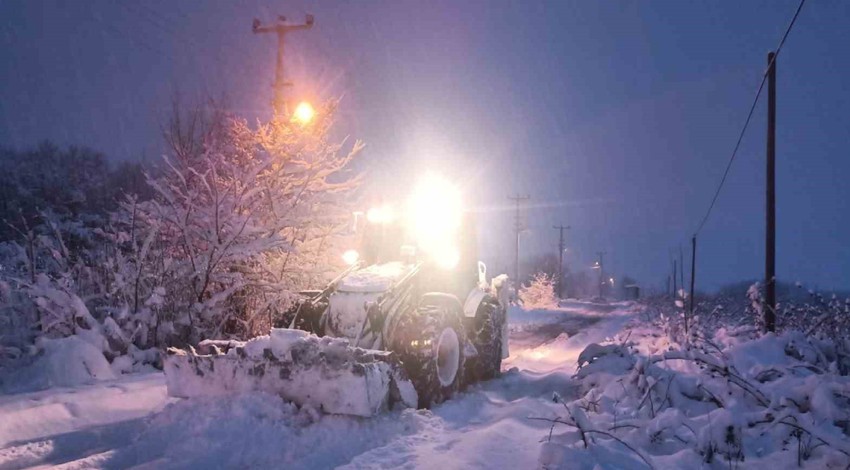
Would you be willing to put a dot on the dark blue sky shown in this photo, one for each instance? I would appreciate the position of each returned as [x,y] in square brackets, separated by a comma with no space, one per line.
[616,117]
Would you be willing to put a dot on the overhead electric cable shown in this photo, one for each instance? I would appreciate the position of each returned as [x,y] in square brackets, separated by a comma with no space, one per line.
[749,117]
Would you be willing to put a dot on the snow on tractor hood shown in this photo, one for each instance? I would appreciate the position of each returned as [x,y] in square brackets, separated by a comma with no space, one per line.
[375,278]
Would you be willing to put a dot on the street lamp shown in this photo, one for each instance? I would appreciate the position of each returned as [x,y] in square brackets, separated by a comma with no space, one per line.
[304,113]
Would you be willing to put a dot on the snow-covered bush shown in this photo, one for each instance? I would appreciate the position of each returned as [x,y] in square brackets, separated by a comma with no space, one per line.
[237,220]
[539,292]
[724,395]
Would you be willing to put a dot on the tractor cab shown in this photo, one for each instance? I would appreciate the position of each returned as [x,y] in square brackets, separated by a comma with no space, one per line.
[431,231]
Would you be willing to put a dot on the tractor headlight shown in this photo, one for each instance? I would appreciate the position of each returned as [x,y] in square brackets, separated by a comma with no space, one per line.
[380,215]
[435,213]
[350,257]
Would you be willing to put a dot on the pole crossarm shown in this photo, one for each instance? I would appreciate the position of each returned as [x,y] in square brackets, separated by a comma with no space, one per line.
[281,28]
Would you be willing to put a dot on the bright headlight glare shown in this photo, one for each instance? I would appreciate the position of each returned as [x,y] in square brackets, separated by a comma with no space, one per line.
[350,257]
[380,215]
[435,213]
[447,258]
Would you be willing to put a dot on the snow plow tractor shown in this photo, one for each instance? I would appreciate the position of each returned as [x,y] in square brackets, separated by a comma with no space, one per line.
[411,321]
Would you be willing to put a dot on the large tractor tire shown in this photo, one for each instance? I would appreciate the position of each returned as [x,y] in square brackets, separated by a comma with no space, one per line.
[430,342]
[485,332]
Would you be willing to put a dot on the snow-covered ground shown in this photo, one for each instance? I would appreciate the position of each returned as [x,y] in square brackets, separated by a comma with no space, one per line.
[130,422]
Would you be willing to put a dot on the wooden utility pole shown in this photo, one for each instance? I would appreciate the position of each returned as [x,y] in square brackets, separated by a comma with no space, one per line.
[681,268]
[693,278]
[561,229]
[770,232]
[675,287]
[517,229]
[281,28]
[600,254]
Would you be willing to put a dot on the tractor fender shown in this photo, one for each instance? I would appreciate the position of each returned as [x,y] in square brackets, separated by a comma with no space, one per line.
[440,298]
[430,298]
[473,300]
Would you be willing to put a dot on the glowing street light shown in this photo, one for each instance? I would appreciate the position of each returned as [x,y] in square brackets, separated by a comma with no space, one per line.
[304,113]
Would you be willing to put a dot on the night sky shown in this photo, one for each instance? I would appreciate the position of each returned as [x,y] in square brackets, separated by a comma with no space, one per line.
[617,118]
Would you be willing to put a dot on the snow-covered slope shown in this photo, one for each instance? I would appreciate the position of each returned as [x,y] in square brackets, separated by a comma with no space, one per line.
[129,422]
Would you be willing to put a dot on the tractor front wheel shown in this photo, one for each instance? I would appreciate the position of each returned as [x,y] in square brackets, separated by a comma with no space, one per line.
[430,344]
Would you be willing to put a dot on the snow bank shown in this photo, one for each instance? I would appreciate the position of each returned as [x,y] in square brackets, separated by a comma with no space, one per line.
[718,401]
[62,362]
[73,361]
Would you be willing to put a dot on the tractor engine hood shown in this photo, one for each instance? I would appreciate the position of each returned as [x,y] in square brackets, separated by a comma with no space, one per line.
[375,278]
[347,306]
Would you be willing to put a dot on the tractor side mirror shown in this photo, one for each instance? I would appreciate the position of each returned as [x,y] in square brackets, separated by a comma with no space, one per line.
[482,274]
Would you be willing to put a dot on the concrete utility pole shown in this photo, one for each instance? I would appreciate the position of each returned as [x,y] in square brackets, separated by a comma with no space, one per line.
[517,228]
[561,229]
[770,232]
[600,254]
[281,28]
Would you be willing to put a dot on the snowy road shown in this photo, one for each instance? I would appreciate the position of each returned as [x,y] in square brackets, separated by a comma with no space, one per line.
[127,423]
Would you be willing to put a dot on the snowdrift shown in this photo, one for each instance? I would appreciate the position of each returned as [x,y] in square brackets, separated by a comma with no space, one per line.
[721,401]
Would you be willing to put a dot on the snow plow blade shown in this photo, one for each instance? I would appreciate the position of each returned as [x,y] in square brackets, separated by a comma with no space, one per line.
[325,373]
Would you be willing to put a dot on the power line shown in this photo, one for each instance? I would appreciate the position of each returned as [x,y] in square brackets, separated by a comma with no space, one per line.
[749,117]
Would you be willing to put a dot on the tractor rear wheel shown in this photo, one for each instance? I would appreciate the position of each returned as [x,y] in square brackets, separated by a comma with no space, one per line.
[485,331]
[430,343]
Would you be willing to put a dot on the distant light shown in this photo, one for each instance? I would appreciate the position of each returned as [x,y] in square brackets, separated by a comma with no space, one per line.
[304,113]
[350,257]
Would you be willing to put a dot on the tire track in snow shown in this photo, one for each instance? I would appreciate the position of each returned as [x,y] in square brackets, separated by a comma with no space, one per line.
[488,425]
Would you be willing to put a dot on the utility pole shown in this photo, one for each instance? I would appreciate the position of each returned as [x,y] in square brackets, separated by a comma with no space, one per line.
[561,229]
[682,269]
[693,278]
[281,28]
[770,232]
[675,287]
[517,229]
[600,254]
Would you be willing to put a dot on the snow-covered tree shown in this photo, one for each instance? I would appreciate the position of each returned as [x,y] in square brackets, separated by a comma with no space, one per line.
[236,228]
[539,292]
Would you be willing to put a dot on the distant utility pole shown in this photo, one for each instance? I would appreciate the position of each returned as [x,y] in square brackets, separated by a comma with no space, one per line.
[281,28]
[600,254]
[517,229]
[682,269]
[561,229]
[770,233]
[693,278]
[675,287]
